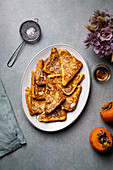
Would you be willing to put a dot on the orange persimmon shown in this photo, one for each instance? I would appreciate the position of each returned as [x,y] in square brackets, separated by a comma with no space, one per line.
[101,139]
[106,112]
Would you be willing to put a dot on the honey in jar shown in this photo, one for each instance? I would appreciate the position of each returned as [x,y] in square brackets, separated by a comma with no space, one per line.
[102,73]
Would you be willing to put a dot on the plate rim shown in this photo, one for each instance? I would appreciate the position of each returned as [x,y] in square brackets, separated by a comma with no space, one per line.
[22,80]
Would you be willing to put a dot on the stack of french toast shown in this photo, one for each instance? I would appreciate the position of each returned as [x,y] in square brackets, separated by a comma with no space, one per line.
[55,86]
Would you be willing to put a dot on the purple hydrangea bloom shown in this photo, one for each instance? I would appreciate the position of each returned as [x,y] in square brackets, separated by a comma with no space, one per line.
[105,34]
[97,49]
[103,48]
[92,40]
[111,43]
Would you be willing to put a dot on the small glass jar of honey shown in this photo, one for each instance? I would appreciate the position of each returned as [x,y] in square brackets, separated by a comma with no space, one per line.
[102,73]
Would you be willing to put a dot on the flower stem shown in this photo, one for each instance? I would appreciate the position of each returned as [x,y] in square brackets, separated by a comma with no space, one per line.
[112,58]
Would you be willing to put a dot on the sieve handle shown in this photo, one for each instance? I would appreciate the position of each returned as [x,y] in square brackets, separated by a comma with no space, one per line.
[14,56]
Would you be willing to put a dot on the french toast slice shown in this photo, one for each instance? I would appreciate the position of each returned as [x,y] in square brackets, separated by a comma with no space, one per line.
[57,115]
[34,106]
[56,78]
[38,92]
[33,84]
[71,101]
[69,65]
[40,75]
[71,86]
[53,65]
[53,95]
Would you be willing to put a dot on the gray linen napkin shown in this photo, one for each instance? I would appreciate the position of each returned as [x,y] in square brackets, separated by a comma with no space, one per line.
[11,136]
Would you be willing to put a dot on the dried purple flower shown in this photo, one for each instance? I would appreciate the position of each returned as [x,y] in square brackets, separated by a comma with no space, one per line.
[104,49]
[110,25]
[105,34]
[98,20]
[97,49]
[101,33]
[92,40]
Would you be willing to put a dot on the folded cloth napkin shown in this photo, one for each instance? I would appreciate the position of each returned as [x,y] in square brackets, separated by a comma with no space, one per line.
[11,136]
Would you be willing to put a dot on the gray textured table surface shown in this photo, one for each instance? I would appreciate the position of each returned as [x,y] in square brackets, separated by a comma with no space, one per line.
[61,22]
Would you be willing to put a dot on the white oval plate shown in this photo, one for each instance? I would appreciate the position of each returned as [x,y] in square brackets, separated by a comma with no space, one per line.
[71,116]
